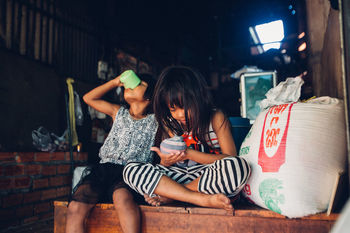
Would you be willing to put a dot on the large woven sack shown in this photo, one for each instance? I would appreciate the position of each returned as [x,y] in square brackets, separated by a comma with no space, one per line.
[296,151]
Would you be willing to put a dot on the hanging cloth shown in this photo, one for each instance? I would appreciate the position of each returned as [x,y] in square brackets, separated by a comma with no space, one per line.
[72,112]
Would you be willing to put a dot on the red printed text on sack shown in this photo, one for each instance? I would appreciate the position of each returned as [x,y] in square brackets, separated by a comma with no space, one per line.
[246,189]
[273,138]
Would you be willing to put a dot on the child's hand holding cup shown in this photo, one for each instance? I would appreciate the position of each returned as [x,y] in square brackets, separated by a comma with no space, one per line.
[130,79]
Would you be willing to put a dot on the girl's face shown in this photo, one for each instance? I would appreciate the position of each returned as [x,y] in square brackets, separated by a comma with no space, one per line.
[137,93]
[178,114]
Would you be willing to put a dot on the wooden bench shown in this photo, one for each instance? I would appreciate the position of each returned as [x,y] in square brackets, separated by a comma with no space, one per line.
[181,218]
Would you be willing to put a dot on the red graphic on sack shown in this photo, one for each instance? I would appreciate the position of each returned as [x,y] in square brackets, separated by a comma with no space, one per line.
[272,150]
[247,190]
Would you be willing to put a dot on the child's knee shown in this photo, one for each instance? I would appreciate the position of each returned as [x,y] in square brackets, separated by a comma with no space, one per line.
[122,196]
[78,208]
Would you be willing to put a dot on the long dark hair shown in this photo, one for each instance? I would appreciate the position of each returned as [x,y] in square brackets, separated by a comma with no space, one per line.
[186,88]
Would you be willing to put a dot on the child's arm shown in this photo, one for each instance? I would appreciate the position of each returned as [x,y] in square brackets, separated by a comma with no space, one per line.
[93,97]
[222,130]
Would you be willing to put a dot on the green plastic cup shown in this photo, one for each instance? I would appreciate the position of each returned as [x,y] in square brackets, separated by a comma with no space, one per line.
[129,79]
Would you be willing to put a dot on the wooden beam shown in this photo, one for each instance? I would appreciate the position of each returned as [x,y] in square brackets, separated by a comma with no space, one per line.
[179,219]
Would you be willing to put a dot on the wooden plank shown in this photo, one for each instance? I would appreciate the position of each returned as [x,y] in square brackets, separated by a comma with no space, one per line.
[240,211]
[322,216]
[60,203]
[60,217]
[181,209]
[9,11]
[23,31]
[261,213]
[179,219]
[164,209]
[210,223]
[37,30]
[44,32]
[110,221]
[209,211]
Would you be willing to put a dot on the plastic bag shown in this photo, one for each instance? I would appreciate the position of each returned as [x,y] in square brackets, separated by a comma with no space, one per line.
[96,114]
[79,116]
[60,142]
[42,140]
[285,92]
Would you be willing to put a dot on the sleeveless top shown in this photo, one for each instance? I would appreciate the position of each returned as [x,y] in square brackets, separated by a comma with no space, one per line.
[129,140]
[192,143]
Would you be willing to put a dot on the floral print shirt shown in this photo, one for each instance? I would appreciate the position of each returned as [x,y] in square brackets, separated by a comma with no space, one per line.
[129,140]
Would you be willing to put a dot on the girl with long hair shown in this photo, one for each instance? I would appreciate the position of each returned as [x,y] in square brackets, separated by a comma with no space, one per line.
[208,172]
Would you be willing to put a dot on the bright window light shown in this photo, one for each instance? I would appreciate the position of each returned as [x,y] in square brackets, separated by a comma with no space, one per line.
[301,35]
[270,34]
[302,47]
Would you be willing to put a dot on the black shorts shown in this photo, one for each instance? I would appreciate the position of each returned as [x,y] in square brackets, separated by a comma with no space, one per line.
[98,183]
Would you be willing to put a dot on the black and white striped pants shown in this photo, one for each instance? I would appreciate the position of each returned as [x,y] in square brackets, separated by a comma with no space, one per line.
[227,176]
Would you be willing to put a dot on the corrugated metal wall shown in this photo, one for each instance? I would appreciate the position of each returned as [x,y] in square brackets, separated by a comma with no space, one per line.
[40,30]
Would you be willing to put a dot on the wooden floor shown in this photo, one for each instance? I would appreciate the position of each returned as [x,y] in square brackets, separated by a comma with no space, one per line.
[170,219]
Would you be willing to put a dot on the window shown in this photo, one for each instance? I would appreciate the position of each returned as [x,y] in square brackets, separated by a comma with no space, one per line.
[267,35]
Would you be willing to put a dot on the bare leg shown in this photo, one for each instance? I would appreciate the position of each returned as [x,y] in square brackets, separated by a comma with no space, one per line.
[171,189]
[158,200]
[193,185]
[76,214]
[128,211]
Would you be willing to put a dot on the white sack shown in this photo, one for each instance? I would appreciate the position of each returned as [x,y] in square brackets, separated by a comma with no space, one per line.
[295,151]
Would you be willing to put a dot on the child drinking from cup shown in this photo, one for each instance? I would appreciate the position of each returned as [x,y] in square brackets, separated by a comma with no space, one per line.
[130,139]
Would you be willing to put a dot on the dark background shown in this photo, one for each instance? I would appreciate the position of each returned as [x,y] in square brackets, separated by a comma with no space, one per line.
[211,36]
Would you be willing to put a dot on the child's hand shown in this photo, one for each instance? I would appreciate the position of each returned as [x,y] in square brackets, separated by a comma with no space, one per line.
[117,82]
[154,201]
[169,159]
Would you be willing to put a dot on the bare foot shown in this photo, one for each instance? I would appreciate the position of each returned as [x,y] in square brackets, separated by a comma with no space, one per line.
[219,201]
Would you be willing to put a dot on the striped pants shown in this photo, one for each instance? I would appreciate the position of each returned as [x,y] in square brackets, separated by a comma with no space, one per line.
[227,176]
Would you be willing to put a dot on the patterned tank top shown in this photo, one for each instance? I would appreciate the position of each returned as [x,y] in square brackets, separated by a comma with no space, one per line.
[129,139]
[192,143]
